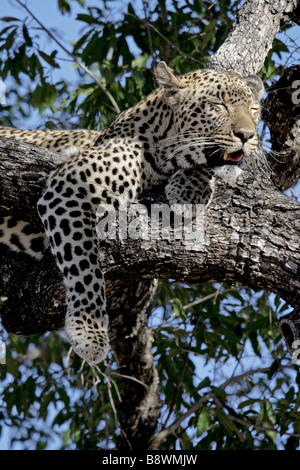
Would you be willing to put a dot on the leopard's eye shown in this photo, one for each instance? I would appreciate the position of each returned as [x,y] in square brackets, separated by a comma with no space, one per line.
[218,103]
[255,110]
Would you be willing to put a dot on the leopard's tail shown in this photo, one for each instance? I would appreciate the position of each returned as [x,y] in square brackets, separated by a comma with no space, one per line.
[21,236]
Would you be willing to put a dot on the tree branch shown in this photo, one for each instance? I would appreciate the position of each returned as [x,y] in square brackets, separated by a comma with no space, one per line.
[162,435]
[281,113]
[132,342]
[251,237]
[251,38]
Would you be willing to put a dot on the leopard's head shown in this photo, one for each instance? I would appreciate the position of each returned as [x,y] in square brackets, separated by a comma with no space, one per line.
[215,114]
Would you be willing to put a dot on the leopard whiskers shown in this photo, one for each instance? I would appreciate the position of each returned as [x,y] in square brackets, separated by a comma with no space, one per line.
[191,139]
[218,150]
[190,144]
[169,141]
[272,153]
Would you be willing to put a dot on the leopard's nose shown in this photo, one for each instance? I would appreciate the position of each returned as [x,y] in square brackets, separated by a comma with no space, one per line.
[244,135]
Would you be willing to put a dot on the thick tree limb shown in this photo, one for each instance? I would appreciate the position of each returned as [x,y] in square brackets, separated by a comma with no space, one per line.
[290,328]
[281,113]
[251,38]
[251,236]
[132,342]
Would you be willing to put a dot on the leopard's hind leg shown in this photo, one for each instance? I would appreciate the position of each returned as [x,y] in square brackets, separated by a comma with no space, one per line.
[68,212]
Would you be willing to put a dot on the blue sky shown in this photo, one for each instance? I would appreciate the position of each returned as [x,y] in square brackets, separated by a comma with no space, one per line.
[66,30]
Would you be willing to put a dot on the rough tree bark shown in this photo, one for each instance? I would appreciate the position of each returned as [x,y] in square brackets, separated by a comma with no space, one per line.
[251,236]
[281,113]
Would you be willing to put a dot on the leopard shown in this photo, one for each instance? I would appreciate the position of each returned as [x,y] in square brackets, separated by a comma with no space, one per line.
[179,138]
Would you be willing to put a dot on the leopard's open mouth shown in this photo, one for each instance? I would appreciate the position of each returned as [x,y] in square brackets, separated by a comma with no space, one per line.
[234,156]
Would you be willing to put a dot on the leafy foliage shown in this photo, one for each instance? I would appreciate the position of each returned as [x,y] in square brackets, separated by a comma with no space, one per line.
[230,363]
[218,352]
[225,374]
[120,48]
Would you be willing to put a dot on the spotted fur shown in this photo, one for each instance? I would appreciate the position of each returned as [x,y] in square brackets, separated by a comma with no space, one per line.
[203,119]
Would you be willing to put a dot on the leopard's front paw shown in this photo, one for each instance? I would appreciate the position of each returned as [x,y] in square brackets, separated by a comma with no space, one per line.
[191,186]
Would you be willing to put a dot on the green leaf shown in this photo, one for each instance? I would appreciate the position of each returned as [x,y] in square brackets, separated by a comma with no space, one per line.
[225,421]
[178,308]
[44,96]
[268,417]
[89,19]
[37,97]
[139,79]
[140,62]
[255,344]
[9,18]
[10,39]
[41,445]
[203,421]
[50,125]
[64,6]
[131,9]
[50,59]
[289,396]
[249,402]
[204,383]
[66,437]
[267,413]
[27,38]
[82,40]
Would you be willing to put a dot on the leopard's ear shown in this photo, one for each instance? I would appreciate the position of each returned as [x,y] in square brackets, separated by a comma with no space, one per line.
[166,77]
[256,86]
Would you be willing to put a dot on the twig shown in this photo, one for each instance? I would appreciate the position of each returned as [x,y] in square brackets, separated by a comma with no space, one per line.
[162,435]
[261,428]
[210,296]
[130,378]
[196,302]
[95,370]
[243,375]
[75,59]
[219,405]
[187,352]
[149,25]
[145,5]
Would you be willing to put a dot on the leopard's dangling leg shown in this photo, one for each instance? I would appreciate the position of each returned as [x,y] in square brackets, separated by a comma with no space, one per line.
[69,216]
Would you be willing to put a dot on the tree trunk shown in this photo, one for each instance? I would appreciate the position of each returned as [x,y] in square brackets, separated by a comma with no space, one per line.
[251,236]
